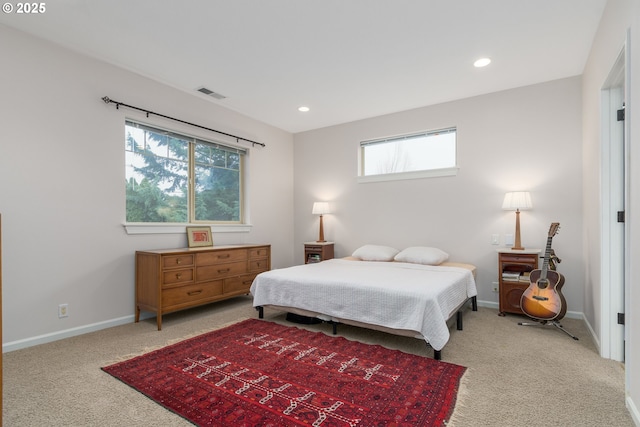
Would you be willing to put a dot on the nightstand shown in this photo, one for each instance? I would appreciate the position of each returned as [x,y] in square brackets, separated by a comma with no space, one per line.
[317,251]
[514,267]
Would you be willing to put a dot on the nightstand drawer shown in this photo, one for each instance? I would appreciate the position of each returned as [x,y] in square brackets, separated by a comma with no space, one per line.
[518,258]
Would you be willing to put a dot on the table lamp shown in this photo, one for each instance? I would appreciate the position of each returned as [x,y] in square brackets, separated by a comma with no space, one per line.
[320,208]
[517,200]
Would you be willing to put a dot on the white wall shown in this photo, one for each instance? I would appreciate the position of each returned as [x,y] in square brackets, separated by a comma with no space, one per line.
[62,193]
[619,17]
[522,139]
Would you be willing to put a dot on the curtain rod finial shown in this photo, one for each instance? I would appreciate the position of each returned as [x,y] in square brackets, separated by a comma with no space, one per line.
[106,99]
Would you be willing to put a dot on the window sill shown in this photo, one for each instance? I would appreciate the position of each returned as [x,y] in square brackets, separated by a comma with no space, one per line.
[159,228]
[409,175]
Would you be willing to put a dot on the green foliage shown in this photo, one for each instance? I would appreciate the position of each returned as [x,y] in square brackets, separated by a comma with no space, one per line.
[160,194]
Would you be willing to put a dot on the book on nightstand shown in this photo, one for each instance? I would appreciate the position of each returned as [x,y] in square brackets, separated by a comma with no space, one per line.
[510,276]
[311,258]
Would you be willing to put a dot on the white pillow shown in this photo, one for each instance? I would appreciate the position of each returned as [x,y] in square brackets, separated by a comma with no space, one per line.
[422,255]
[375,253]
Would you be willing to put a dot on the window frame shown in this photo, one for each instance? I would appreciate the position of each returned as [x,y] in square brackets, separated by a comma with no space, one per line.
[241,225]
[416,174]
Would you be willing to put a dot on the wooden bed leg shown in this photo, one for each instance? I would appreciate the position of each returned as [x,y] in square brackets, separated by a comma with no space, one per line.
[474,303]
[459,320]
[260,312]
[335,327]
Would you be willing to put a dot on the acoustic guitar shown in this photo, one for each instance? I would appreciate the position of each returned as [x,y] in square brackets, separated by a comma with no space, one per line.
[543,298]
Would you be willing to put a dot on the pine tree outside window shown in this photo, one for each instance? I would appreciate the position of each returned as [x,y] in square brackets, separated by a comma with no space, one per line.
[175,178]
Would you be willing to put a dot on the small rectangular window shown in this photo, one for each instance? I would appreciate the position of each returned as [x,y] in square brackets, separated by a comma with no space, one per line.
[424,154]
[175,178]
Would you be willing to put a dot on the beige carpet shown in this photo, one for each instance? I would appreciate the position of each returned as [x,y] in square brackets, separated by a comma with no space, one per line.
[517,376]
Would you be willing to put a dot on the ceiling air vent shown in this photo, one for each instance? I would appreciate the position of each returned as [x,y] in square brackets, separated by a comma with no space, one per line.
[211,93]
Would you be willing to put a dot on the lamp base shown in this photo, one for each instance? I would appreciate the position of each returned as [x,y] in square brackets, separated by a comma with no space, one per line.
[321,234]
[517,245]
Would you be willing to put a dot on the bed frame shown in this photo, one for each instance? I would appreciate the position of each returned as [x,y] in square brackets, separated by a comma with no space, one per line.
[437,354]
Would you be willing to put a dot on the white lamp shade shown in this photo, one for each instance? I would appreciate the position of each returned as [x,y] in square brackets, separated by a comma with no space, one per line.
[517,200]
[320,208]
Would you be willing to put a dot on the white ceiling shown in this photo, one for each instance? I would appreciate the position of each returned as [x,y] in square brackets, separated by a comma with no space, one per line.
[344,59]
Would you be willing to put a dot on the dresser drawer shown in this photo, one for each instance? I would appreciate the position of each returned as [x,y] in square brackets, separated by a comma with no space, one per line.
[259,253]
[171,277]
[258,265]
[191,293]
[176,261]
[217,257]
[239,283]
[220,271]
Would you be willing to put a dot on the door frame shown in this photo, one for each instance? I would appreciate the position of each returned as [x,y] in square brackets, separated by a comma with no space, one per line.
[614,251]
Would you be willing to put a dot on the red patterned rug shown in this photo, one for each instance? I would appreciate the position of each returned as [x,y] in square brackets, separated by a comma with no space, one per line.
[259,373]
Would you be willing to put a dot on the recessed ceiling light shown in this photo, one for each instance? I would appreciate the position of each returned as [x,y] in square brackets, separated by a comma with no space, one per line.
[482,62]
[303,109]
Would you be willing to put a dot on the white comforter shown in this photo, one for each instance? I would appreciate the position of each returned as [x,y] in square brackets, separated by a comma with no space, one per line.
[395,295]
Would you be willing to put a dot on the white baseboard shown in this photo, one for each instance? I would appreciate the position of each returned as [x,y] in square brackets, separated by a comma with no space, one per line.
[594,337]
[67,333]
[633,410]
[494,305]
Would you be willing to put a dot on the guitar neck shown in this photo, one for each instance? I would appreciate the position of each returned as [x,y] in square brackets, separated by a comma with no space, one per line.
[547,256]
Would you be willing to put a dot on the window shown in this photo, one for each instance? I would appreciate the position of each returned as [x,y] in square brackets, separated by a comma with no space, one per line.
[424,154]
[174,178]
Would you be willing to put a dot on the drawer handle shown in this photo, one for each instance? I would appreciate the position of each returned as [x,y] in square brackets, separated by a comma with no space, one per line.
[224,256]
[178,275]
[224,271]
[192,293]
[178,261]
[258,264]
[247,282]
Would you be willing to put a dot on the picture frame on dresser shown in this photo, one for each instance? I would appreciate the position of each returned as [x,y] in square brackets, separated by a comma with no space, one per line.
[199,237]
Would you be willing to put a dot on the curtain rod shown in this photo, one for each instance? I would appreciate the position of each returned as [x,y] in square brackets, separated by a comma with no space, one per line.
[107,100]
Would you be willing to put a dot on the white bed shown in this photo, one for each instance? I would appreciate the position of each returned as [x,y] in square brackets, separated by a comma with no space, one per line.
[397,297]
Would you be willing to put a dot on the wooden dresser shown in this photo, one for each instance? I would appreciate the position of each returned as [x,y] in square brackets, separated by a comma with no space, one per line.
[175,279]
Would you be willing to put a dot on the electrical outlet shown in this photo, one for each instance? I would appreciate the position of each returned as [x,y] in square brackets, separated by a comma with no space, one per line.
[63,310]
[495,289]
